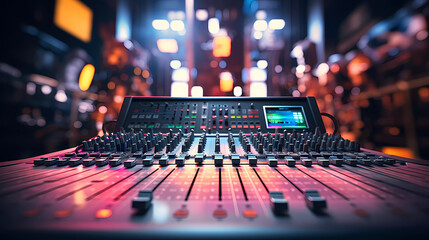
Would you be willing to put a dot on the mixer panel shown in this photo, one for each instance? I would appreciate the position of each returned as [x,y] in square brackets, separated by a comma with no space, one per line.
[162,174]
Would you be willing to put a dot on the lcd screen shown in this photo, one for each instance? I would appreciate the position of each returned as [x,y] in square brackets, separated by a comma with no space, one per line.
[289,117]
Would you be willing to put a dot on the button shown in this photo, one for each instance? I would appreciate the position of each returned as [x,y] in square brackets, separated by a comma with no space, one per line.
[62,213]
[181,213]
[314,201]
[250,213]
[361,213]
[32,213]
[278,203]
[220,213]
[143,201]
[103,213]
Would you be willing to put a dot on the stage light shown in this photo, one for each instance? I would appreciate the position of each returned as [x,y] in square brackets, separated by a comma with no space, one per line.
[75,18]
[261,14]
[262,64]
[260,25]
[177,25]
[128,44]
[278,69]
[86,76]
[222,46]
[179,89]
[167,45]
[46,89]
[258,35]
[102,109]
[226,81]
[197,91]
[137,71]
[213,25]
[160,24]
[222,64]
[257,74]
[201,14]
[300,69]
[276,24]
[322,69]
[296,93]
[31,88]
[181,74]
[145,74]
[61,96]
[258,89]
[175,64]
[238,91]
[123,21]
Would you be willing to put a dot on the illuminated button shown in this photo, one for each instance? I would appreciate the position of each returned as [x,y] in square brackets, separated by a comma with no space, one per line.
[214,116]
[179,126]
[239,126]
[258,126]
[187,117]
[256,116]
[233,126]
[203,127]
[361,213]
[181,213]
[62,213]
[103,213]
[250,213]
[244,116]
[157,110]
[193,116]
[32,212]
[220,127]
[252,126]
[238,116]
[214,127]
[245,126]
[232,116]
[192,126]
[220,213]
[250,116]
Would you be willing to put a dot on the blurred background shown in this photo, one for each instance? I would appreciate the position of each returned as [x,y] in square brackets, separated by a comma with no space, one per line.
[66,65]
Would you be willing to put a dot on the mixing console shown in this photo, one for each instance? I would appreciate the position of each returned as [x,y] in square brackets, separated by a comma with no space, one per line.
[211,168]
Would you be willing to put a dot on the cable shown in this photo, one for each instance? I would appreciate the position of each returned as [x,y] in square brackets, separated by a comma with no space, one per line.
[334,120]
[106,123]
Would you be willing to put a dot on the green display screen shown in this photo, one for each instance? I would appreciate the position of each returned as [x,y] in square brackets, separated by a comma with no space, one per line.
[285,117]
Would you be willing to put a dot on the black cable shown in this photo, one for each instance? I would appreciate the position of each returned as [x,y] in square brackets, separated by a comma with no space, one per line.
[334,120]
[105,123]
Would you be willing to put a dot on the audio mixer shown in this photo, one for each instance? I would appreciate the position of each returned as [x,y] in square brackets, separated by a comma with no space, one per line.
[215,168]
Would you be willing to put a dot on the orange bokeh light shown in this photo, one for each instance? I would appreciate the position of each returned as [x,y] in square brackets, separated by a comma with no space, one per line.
[222,46]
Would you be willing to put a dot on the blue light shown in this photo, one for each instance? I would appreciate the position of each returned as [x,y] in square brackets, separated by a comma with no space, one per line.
[222,64]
